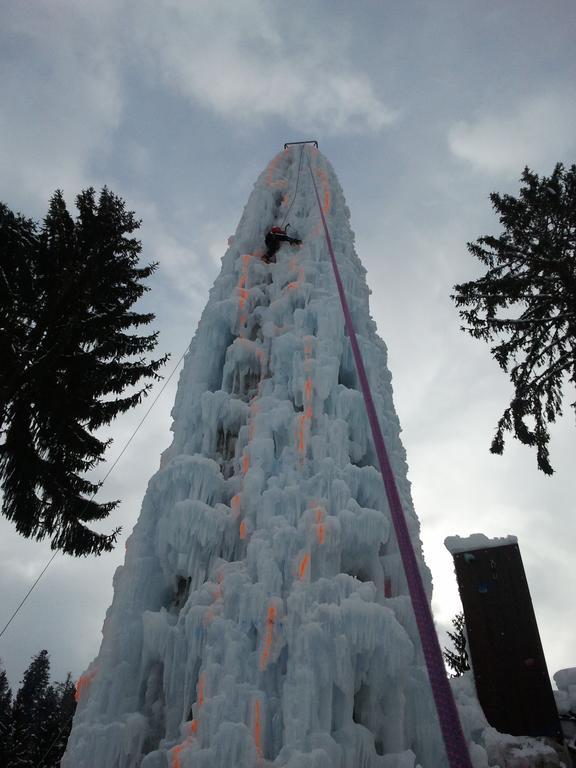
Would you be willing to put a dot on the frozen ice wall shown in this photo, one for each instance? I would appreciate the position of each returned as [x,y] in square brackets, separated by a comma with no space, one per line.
[261,616]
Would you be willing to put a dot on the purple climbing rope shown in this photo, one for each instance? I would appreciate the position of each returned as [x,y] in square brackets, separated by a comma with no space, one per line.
[454,741]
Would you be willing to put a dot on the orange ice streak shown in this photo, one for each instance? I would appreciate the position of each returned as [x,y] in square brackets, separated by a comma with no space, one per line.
[302,435]
[83,684]
[320,527]
[245,463]
[303,567]
[175,762]
[176,755]
[308,390]
[208,617]
[268,636]
[242,290]
[325,188]
[272,169]
[257,728]
[243,529]
[235,504]
[305,417]
[201,687]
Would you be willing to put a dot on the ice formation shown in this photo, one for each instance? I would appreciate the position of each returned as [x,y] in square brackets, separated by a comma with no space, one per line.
[261,616]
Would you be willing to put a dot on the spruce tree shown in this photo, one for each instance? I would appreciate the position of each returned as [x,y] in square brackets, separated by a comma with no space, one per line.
[35,727]
[525,303]
[30,712]
[5,720]
[58,722]
[457,657]
[67,289]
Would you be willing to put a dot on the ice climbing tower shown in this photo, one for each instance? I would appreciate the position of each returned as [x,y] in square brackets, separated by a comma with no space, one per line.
[261,616]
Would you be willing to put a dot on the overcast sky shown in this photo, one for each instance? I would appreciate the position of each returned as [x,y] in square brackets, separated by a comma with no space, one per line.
[423,108]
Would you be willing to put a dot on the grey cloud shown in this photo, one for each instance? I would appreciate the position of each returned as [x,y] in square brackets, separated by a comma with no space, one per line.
[248,62]
[538,131]
[64,101]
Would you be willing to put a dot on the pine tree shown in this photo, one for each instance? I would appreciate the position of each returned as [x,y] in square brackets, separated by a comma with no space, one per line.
[5,719]
[457,658]
[66,292]
[29,712]
[58,722]
[526,302]
[35,727]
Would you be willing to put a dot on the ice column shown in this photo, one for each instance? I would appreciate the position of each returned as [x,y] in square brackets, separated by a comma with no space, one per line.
[261,616]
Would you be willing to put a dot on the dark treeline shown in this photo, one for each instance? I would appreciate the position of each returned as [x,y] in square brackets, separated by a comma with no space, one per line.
[35,722]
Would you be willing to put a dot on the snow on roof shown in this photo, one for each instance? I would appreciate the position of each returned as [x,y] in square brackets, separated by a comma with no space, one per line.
[455,544]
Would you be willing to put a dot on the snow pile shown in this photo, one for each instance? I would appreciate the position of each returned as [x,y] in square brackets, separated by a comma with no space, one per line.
[565,680]
[489,747]
[565,697]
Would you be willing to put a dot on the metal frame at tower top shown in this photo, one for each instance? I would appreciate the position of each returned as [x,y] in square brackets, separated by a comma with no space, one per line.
[291,143]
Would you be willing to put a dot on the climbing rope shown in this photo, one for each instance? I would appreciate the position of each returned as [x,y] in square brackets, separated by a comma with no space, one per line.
[106,476]
[454,741]
[295,188]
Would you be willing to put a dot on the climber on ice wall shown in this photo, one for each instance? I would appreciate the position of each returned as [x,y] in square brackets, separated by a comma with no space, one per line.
[274,237]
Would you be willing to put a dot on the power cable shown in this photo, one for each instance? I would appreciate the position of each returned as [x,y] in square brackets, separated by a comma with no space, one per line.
[106,476]
[42,572]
